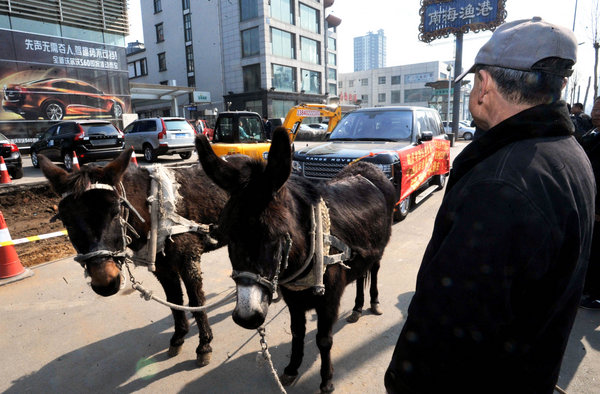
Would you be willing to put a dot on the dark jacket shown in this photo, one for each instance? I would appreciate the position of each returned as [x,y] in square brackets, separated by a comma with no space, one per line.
[501,278]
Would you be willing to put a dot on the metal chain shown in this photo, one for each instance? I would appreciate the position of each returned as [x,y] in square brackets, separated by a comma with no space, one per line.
[267,357]
[147,295]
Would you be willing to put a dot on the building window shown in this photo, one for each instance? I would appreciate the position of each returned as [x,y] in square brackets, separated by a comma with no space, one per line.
[331,43]
[248,9]
[395,97]
[331,59]
[332,89]
[381,80]
[160,34]
[185,4]
[162,61]
[364,98]
[283,10]
[309,18]
[311,81]
[137,68]
[283,43]
[284,78]
[331,73]
[381,98]
[396,79]
[417,95]
[187,27]
[281,107]
[191,84]
[310,50]
[340,84]
[254,106]
[251,77]
[164,82]
[351,83]
[157,6]
[364,82]
[250,43]
[189,58]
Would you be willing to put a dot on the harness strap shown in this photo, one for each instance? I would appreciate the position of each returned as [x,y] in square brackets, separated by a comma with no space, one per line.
[254,277]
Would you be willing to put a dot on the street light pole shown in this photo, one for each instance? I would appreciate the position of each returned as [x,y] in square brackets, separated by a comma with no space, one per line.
[449,69]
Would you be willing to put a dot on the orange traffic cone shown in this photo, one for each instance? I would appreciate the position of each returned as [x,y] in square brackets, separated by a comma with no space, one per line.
[4,177]
[133,159]
[75,161]
[10,265]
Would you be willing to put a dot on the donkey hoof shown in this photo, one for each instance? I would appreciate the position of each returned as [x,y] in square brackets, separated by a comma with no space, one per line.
[354,316]
[376,309]
[328,388]
[174,350]
[286,379]
[202,360]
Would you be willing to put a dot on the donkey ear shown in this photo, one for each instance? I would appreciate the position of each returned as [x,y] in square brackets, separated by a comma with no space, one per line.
[224,174]
[113,171]
[55,175]
[279,165]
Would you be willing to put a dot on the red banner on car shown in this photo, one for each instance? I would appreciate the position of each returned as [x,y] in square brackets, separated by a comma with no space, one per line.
[422,162]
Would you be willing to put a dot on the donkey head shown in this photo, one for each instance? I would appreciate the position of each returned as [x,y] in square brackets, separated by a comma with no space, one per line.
[92,218]
[254,222]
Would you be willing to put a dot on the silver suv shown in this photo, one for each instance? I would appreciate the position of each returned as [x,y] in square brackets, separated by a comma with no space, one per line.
[160,136]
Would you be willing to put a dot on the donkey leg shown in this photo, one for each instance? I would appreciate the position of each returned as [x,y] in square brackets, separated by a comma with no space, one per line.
[298,327]
[373,291]
[192,280]
[359,301]
[327,314]
[170,283]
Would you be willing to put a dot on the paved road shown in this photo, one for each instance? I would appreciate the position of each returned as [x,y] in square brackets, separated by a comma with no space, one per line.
[58,336]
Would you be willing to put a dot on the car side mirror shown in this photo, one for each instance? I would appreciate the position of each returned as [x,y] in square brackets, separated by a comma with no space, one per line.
[425,136]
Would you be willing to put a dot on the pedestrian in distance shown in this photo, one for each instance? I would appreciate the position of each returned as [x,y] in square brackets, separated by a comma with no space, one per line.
[268,127]
[502,276]
[591,144]
[581,121]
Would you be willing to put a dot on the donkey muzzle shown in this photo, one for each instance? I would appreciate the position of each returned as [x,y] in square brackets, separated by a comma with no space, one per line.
[252,305]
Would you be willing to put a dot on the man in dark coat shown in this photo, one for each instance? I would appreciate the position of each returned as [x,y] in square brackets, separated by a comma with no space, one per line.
[501,279]
[591,144]
[581,121]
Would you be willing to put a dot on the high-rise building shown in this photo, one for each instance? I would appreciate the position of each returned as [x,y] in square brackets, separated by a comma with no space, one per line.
[369,51]
[258,55]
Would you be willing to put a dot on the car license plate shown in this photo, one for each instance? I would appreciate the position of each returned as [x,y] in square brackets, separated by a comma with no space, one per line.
[180,135]
[110,141]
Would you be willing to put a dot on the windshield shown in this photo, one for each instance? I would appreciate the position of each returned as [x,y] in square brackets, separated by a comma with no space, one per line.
[374,125]
[177,125]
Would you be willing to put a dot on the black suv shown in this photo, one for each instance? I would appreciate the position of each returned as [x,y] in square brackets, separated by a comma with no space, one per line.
[407,143]
[89,139]
[12,157]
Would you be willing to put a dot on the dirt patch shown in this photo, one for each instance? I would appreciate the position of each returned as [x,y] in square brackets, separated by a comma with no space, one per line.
[27,211]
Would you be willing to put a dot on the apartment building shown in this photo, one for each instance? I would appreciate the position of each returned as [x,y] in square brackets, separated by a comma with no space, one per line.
[258,55]
[420,84]
[370,51]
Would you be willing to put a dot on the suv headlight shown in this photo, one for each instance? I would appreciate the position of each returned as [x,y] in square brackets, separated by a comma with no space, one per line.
[386,168]
[296,166]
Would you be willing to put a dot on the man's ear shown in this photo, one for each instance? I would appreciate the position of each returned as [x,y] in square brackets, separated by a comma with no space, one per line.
[485,84]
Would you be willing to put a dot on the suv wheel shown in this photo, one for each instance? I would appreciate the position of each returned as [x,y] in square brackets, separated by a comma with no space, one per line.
[440,180]
[149,154]
[34,159]
[402,209]
[185,155]
[117,111]
[68,161]
[17,173]
[468,136]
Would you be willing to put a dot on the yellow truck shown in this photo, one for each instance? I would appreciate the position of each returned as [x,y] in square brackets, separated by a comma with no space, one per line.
[243,132]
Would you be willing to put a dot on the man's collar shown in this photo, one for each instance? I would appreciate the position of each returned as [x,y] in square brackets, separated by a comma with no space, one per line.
[546,120]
